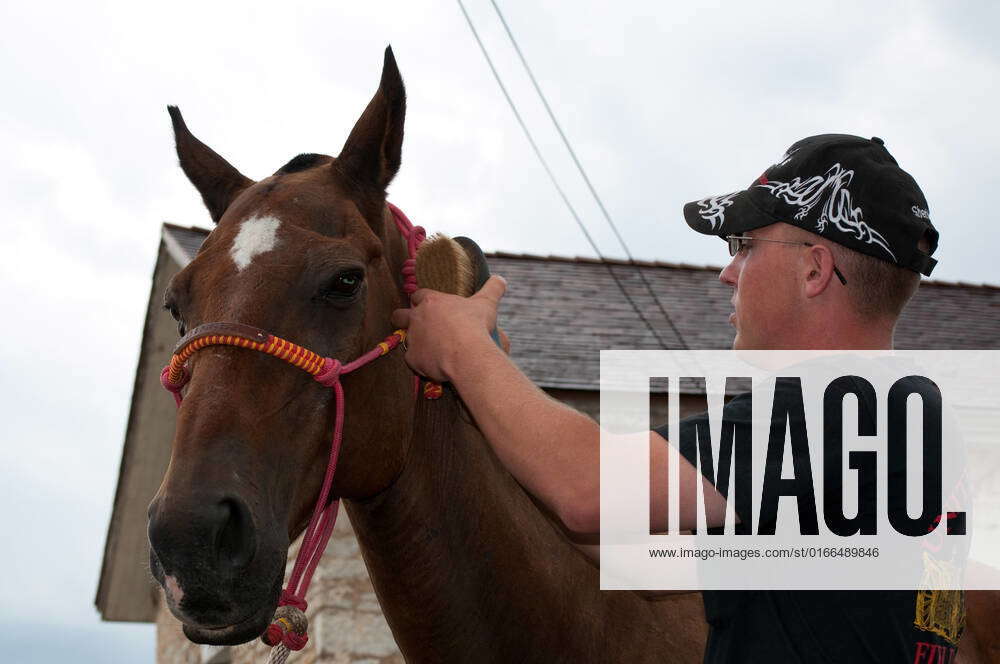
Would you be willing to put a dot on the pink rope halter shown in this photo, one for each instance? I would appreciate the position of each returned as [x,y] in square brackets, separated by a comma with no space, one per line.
[289,627]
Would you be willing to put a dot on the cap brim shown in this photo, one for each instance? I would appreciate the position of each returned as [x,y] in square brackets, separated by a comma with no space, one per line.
[727,214]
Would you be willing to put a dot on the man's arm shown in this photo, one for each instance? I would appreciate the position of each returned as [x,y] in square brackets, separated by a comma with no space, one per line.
[550,448]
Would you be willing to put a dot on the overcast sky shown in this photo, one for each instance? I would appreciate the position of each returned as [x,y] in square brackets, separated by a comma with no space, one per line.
[664,103]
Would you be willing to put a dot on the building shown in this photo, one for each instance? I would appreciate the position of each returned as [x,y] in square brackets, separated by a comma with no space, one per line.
[558,312]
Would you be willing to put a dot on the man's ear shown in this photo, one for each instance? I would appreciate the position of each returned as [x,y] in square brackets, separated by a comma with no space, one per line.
[818,270]
[372,153]
[214,177]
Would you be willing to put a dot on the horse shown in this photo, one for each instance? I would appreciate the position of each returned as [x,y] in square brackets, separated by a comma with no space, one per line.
[465,564]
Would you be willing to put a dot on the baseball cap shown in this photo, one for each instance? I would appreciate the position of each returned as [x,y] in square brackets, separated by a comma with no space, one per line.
[847,189]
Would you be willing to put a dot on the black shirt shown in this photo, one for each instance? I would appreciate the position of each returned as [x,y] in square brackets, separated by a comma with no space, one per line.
[822,626]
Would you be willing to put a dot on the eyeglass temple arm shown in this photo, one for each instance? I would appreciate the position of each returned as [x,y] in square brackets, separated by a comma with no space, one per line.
[836,271]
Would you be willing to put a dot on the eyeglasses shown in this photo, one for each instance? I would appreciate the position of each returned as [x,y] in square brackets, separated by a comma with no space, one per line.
[739,242]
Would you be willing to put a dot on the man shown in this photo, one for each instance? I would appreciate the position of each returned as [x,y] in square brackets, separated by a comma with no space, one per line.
[827,247]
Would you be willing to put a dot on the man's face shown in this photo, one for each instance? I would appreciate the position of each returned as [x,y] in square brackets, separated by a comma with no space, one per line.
[766,293]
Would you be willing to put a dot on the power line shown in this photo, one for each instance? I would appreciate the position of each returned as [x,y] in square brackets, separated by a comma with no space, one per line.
[555,182]
[583,173]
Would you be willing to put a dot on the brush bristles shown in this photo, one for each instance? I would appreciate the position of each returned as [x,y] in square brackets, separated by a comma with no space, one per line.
[443,265]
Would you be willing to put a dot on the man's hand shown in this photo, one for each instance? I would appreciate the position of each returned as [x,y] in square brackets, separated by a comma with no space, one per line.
[441,326]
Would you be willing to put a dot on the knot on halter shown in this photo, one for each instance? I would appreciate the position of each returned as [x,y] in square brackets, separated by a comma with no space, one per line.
[176,384]
[288,628]
[290,599]
[414,240]
[409,276]
[329,375]
[173,381]
[419,234]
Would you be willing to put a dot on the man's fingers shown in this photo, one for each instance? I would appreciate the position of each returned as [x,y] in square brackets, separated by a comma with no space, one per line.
[504,340]
[401,318]
[493,289]
[418,296]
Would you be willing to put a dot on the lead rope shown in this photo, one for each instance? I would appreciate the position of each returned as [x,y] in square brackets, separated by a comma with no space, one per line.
[288,629]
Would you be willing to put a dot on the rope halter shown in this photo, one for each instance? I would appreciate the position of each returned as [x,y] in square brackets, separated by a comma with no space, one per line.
[288,629]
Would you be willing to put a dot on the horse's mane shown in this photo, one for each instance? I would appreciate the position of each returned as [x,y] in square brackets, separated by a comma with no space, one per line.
[301,162]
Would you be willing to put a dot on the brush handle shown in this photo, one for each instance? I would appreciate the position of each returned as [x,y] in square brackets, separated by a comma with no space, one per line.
[482,268]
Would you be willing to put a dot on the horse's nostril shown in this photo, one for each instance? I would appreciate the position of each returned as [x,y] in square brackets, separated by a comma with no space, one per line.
[235,539]
[210,534]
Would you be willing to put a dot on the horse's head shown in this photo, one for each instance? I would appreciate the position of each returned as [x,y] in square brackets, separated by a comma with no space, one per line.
[309,254]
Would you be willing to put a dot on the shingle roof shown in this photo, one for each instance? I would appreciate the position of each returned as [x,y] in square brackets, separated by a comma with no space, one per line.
[183,243]
[560,311]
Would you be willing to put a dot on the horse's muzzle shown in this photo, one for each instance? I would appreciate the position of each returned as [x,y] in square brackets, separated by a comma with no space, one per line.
[214,533]
[220,579]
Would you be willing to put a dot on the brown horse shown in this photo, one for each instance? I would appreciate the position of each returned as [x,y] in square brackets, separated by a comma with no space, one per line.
[466,566]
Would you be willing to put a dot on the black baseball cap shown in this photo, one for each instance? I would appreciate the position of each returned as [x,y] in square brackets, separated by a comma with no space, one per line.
[847,189]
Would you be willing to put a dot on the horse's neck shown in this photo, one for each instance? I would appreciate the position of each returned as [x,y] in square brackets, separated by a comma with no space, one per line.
[453,534]
[467,568]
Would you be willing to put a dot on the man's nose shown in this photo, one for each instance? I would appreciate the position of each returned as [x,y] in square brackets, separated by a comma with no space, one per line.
[730,272]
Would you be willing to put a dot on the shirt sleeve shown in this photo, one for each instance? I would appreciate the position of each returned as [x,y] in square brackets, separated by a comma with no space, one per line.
[694,433]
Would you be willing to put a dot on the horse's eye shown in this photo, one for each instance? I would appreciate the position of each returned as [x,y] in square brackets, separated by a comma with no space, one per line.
[172,308]
[345,284]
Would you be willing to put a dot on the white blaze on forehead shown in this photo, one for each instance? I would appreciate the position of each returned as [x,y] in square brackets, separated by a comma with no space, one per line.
[257,235]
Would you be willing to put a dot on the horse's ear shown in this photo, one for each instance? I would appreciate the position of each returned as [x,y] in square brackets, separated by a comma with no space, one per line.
[372,153]
[214,177]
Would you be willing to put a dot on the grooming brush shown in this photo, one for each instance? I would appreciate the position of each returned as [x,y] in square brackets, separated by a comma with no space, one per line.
[443,265]
[456,266]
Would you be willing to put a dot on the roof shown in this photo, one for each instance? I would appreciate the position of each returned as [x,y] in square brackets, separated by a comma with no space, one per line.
[559,311]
